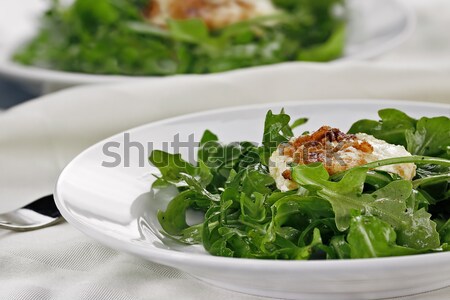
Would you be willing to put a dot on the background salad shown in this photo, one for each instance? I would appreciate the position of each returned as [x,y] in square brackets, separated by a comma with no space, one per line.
[114,37]
[360,213]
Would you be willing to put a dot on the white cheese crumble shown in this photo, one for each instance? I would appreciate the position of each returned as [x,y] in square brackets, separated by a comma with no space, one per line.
[384,150]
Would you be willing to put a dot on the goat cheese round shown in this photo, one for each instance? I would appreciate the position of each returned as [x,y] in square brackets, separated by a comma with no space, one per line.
[338,152]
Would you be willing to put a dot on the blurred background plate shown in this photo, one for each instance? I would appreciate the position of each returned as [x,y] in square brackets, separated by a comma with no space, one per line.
[375,27]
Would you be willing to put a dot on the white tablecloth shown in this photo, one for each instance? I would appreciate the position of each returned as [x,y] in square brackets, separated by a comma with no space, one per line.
[39,137]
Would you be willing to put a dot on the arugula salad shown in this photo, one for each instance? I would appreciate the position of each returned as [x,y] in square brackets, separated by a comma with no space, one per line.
[381,189]
[167,37]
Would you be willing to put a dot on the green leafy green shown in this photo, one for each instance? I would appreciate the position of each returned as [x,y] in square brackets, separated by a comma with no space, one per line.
[173,220]
[171,166]
[431,137]
[332,48]
[391,128]
[388,203]
[189,30]
[371,237]
[426,136]
[340,247]
[276,131]
[358,213]
[444,231]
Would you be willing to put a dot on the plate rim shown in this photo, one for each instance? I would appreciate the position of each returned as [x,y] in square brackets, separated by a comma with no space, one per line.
[186,260]
[33,74]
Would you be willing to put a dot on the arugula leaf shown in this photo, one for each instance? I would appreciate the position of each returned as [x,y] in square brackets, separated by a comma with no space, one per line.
[196,185]
[280,247]
[415,229]
[256,182]
[340,246]
[173,220]
[306,251]
[224,240]
[221,160]
[193,31]
[331,49]
[94,13]
[427,136]
[378,179]
[444,232]
[299,212]
[208,136]
[299,122]
[253,210]
[276,131]
[431,137]
[174,169]
[391,128]
[191,235]
[291,205]
[344,196]
[171,166]
[371,237]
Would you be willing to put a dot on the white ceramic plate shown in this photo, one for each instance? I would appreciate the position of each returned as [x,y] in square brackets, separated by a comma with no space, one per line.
[115,206]
[376,26]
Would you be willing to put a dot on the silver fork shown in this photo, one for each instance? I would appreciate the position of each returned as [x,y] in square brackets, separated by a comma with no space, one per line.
[39,214]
